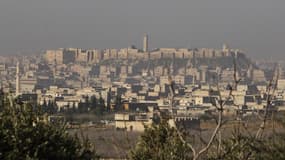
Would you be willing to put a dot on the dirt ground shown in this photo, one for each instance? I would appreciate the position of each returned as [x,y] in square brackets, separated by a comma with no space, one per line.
[112,143]
[109,142]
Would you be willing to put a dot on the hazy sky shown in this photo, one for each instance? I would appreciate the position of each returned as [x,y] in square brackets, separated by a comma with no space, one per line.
[256,26]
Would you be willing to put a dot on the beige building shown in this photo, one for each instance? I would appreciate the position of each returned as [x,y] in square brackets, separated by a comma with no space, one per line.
[258,75]
[60,56]
[281,84]
[110,54]
[155,55]
[28,85]
[68,55]
[132,122]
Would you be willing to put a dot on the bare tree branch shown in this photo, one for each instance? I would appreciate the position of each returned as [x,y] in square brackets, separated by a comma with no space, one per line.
[219,105]
[270,93]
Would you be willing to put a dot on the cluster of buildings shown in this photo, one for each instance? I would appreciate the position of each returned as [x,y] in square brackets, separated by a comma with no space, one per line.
[93,56]
[140,79]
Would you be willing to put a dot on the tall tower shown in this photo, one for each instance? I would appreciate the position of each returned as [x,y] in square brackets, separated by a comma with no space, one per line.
[225,47]
[145,43]
[18,79]
[54,69]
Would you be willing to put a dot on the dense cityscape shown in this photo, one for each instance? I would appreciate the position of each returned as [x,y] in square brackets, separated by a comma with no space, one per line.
[133,86]
[200,80]
[136,81]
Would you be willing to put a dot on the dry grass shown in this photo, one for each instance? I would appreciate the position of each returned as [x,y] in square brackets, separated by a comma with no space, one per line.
[112,143]
[109,142]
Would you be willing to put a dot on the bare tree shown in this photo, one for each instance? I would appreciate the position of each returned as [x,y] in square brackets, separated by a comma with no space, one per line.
[271,88]
[224,147]
[220,109]
[219,104]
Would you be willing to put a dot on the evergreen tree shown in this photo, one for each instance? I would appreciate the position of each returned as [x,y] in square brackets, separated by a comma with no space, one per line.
[100,107]
[109,96]
[73,107]
[24,134]
[44,106]
[51,107]
[86,103]
[80,107]
[118,103]
[160,142]
[93,102]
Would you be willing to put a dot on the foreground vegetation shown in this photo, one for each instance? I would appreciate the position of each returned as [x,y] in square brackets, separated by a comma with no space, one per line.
[162,142]
[25,134]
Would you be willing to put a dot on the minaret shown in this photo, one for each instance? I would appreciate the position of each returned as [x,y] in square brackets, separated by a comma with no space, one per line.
[18,79]
[226,49]
[2,96]
[54,70]
[145,43]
